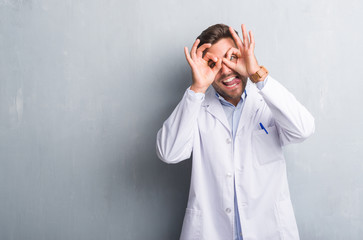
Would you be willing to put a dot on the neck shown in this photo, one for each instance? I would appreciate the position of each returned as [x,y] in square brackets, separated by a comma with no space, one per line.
[234,101]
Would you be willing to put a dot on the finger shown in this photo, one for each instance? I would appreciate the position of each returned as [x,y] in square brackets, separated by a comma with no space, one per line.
[233,51]
[187,56]
[236,38]
[201,49]
[229,53]
[218,66]
[244,35]
[229,64]
[194,49]
[252,38]
[208,56]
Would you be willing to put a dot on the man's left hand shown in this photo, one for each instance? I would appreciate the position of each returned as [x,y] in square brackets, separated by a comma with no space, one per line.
[246,64]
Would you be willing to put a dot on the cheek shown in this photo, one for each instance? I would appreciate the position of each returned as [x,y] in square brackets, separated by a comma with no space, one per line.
[217,77]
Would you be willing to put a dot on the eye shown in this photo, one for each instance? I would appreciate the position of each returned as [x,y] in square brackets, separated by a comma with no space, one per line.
[211,64]
[233,57]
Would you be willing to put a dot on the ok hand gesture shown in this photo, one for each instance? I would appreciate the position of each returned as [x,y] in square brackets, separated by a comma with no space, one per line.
[202,74]
[246,63]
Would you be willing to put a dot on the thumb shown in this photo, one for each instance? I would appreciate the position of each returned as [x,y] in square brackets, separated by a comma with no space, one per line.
[218,66]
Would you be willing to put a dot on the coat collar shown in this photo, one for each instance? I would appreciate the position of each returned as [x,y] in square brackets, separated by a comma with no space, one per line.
[253,103]
[214,107]
[251,106]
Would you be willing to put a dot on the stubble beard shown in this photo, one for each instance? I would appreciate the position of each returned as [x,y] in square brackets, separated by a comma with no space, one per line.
[235,94]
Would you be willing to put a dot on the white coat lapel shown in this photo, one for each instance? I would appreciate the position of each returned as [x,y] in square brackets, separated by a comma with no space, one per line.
[253,102]
[214,107]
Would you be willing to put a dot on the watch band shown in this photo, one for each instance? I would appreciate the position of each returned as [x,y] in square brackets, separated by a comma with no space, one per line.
[256,77]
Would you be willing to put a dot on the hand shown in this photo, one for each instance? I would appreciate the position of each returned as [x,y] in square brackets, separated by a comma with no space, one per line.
[202,74]
[246,63]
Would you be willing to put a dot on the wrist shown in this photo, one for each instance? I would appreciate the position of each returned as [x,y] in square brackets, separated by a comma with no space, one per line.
[259,75]
[198,89]
[254,70]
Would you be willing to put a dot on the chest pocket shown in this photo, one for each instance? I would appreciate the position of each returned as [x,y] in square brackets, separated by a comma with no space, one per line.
[267,147]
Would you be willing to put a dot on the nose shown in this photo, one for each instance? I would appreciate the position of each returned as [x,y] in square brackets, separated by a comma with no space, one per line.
[225,70]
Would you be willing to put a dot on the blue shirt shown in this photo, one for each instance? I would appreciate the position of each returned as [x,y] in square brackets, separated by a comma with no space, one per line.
[233,114]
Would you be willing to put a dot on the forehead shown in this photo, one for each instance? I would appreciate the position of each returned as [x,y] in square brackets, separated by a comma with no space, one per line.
[221,47]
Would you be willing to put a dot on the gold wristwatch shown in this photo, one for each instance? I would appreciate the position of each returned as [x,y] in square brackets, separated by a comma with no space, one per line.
[256,77]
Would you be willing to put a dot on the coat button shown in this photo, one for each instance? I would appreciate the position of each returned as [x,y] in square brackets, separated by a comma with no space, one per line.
[229,174]
[228,140]
[228,210]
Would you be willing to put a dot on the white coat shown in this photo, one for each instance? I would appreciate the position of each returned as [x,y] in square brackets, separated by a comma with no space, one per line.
[254,159]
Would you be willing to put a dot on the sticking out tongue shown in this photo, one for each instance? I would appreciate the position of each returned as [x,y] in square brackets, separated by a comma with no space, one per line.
[234,81]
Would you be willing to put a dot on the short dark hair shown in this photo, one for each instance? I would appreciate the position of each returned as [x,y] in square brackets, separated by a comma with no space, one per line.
[214,33]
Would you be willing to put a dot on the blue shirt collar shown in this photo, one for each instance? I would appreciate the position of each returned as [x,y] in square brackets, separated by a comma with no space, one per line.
[226,103]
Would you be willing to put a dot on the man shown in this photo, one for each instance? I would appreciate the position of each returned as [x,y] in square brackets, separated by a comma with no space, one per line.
[235,129]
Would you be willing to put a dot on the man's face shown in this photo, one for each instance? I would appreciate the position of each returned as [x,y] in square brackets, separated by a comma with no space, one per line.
[228,83]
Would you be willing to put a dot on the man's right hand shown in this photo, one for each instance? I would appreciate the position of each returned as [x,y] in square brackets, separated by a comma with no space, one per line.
[202,73]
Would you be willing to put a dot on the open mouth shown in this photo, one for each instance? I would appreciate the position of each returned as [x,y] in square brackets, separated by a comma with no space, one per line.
[231,82]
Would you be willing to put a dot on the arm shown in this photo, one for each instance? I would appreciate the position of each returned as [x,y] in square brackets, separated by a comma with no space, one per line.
[294,122]
[175,138]
[174,141]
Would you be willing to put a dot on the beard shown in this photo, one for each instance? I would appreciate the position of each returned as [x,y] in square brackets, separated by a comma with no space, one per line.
[231,95]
